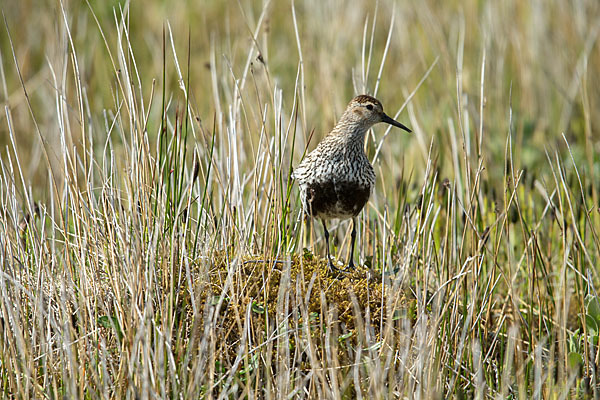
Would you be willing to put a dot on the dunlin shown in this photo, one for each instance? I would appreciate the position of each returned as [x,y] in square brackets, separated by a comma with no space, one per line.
[336,178]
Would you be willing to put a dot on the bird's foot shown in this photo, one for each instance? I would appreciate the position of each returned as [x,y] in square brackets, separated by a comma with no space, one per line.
[350,267]
[332,268]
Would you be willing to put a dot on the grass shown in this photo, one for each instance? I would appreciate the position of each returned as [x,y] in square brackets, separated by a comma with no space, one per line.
[151,240]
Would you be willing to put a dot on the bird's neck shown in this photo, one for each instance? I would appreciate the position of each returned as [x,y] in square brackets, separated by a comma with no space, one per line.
[351,133]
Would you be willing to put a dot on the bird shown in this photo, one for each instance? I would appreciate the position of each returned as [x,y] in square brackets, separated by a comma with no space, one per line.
[336,179]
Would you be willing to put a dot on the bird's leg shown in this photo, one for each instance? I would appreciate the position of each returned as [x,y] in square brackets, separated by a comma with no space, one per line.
[330,265]
[352,240]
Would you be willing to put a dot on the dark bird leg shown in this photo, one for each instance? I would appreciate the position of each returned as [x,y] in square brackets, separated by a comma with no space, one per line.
[352,240]
[330,265]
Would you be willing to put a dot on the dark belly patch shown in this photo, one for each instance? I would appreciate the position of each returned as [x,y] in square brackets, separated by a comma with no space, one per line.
[336,200]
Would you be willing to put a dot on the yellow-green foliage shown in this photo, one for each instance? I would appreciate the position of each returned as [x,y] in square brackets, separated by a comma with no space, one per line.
[152,242]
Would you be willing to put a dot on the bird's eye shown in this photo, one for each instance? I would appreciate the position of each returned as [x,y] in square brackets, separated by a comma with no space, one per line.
[370,107]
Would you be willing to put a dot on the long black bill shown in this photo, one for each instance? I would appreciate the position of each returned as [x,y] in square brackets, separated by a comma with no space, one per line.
[393,122]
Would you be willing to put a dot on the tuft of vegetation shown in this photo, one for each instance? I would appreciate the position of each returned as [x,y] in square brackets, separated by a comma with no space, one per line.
[152,242]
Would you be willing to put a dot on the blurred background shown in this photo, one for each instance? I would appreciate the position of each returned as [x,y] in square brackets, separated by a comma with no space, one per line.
[541,59]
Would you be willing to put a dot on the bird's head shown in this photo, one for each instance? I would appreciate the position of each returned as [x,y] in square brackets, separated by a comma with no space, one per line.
[365,111]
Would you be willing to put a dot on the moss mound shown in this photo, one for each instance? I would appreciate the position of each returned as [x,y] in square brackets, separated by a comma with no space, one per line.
[302,288]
